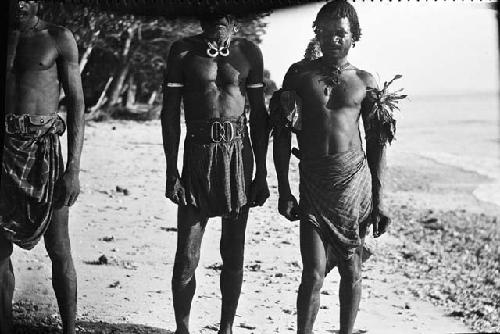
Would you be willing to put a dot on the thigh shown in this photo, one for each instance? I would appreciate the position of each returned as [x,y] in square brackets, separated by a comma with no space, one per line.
[57,235]
[312,249]
[6,248]
[190,229]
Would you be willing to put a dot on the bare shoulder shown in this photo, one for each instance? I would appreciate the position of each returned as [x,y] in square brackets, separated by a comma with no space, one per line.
[60,34]
[182,46]
[64,40]
[367,78]
[248,48]
[295,72]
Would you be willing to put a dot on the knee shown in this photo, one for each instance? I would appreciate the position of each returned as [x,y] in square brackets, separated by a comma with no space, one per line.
[351,274]
[312,279]
[232,259]
[61,258]
[232,252]
[185,267]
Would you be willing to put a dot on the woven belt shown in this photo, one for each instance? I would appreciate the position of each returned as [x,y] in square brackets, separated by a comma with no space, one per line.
[34,124]
[216,130]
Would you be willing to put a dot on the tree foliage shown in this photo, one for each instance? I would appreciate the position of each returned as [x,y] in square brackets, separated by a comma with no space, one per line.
[128,50]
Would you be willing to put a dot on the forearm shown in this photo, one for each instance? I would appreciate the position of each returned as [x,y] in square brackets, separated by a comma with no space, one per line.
[281,156]
[171,138]
[376,157]
[259,133]
[75,125]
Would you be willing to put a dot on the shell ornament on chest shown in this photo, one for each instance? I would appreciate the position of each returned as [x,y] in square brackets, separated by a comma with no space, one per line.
[213,50]
[331,76]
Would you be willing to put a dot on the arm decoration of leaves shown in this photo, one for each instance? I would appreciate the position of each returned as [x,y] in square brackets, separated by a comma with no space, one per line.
[381,125]
[284,109]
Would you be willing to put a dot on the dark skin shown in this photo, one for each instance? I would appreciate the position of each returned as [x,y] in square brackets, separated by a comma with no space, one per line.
[330,124]
[42,58]
[213,87]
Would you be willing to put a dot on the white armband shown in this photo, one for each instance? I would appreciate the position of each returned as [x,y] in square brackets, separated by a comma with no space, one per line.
[256,85]
[175,85]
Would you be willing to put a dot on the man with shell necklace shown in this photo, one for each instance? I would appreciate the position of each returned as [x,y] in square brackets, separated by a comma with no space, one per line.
[215,75]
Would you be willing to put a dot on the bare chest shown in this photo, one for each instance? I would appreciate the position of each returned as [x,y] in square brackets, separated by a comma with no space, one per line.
[221,71]
[347,93]
[34,53]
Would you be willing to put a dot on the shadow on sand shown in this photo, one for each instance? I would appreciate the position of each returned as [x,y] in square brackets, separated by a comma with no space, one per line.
[30,318]
[87,327]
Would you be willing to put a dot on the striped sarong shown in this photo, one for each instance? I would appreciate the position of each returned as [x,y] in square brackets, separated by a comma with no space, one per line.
[31,165]
[217,176]
[335,196]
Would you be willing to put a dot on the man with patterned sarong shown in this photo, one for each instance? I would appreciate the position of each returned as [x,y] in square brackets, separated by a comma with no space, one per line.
[215,75]
[36,190]
[340,189]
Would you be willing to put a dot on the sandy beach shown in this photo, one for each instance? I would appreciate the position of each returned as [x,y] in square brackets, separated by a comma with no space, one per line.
[417,281]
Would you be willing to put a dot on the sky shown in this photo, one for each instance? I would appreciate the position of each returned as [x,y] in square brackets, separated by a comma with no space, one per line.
[439,47]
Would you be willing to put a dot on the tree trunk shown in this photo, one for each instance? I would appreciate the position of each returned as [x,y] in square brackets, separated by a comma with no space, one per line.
[131,92]
[115,90]
[152,98]
[102,98]
[85,58]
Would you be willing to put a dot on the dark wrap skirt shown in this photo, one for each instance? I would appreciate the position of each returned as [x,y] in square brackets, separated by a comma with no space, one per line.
[31,165]
[335,196]
[217,176]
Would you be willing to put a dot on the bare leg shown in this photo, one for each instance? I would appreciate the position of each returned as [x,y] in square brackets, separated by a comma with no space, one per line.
[7,283]
[313,274]
[64,279]
[190,230]
[232,247]
[350,291]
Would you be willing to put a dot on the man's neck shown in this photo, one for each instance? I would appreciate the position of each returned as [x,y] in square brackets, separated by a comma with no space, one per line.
[31,25]
[334,61]
[215,39]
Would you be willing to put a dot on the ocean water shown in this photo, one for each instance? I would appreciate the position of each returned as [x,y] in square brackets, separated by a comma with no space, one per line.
[457,130]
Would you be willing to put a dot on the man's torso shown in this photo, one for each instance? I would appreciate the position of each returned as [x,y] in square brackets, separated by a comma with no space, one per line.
[214,87]
[330,115]
[32,81]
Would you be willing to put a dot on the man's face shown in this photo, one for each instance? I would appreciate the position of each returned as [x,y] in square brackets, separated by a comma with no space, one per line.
[26,10]
[335,38]
[219,28]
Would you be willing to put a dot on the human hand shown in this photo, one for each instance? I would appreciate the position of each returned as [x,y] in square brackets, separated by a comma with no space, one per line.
[259,191]
[288,207]
[380,222]
[174,190]
[67,189]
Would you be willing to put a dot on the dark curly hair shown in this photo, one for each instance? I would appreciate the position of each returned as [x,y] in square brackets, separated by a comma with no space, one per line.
[337,9]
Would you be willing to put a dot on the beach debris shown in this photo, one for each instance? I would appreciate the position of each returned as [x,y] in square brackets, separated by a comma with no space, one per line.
[215,266]
[253,267]
[456,269]
[115,284]
[456,314]
[122,190]
[102,259]
[107,239]
[168,229]
[247,326]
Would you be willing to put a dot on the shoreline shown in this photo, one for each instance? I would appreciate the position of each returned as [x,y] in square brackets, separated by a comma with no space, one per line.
[134,288]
